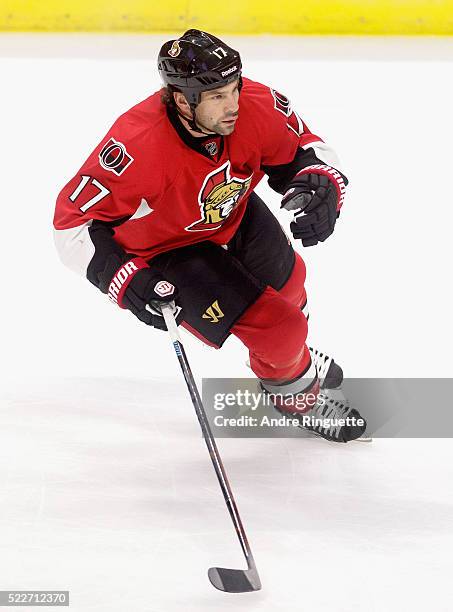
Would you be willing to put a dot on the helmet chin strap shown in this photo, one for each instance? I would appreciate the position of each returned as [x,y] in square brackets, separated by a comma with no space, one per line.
[192,123]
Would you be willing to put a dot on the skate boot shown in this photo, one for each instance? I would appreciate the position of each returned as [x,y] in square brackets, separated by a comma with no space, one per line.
[333,419]
[330,376]
[330,373]
[322,411]
[330,418]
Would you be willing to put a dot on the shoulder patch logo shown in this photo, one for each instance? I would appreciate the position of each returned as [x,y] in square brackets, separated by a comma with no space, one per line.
[218,197]
[283,105]
[114,157]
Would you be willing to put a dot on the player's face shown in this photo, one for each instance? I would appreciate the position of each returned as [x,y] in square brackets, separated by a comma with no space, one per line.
[218,109]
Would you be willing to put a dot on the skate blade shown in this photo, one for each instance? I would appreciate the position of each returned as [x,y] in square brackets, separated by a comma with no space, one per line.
[314,434]
[366,439]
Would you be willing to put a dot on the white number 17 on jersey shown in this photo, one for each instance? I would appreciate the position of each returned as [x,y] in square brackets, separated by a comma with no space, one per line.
[103,192]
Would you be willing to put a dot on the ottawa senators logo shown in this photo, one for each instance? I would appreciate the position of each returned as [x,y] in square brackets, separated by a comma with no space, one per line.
[282,104]
[218,197]
[175,49]
[114,157]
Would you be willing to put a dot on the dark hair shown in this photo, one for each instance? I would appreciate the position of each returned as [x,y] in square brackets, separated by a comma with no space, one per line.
[167,96]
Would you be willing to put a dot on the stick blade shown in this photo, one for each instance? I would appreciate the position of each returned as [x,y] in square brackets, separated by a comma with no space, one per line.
[234,581]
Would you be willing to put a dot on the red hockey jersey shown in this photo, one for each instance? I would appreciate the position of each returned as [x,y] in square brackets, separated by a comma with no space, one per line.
[158,193]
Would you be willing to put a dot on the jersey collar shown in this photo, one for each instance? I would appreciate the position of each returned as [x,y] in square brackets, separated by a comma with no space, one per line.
[208,146]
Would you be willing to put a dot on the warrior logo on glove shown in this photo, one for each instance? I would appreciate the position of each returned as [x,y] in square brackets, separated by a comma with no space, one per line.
[164,288]
[123,277]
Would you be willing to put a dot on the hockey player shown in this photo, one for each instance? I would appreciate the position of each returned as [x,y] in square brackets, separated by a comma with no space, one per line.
[164,210]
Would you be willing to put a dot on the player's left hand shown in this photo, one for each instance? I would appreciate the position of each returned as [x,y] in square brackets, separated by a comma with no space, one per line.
[315,194]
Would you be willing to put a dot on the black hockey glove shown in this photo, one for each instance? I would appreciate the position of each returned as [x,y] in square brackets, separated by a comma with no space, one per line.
[316,195]
[133,284]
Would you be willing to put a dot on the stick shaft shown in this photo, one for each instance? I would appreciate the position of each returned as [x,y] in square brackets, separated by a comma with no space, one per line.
[207,435]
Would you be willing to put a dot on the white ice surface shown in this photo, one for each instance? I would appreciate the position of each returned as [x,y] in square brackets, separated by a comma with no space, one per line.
[106,488]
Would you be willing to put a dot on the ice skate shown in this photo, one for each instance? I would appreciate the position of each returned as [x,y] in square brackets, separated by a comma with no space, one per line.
[328,414]
[330,418]
[330,374]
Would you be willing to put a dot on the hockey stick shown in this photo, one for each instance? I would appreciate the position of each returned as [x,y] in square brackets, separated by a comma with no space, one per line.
[229,580]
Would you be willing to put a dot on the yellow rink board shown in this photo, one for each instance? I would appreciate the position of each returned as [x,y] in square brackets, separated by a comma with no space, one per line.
[231,16]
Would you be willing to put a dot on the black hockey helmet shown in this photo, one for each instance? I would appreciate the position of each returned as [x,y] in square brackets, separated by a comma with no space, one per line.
[197,62]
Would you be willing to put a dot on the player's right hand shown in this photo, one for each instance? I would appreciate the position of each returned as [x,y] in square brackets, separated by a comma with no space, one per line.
[134,285]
